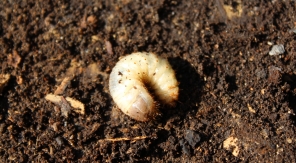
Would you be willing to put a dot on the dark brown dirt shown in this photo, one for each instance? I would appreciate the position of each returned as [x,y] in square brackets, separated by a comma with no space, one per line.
[230,87]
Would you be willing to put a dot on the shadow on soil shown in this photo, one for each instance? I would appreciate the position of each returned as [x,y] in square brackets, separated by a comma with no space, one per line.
[190,90]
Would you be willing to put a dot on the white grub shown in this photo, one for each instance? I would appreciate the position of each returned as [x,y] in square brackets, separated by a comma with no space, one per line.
[129,80]
[277,49]
[64,104]
[109,47]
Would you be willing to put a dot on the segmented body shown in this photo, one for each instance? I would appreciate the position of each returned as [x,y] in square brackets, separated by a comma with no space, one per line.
[130,78]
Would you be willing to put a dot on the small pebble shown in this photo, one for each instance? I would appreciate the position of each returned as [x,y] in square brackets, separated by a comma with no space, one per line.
[59,141]
[260,73]
[185,147]
[192,137]
[289,140]
[292,30]
[277,49]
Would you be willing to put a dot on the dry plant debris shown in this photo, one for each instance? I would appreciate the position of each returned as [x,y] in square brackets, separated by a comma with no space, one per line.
[61,102]
[124,139]
[61,88]
[251,109]
[231,144]
[66,104]
[233,12]
[77,105]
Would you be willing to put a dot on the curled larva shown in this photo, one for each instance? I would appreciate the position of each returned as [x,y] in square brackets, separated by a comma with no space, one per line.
[134,76]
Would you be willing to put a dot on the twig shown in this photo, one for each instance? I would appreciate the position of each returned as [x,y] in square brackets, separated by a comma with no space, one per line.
[124,139]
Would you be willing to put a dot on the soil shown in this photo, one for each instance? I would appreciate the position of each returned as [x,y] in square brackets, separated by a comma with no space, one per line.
[236,102]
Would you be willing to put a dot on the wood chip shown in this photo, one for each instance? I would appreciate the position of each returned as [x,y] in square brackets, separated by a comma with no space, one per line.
[124,139]
[61,102]
[77,105]
[53,98]
[19,80]
[251,109]
[231,143]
